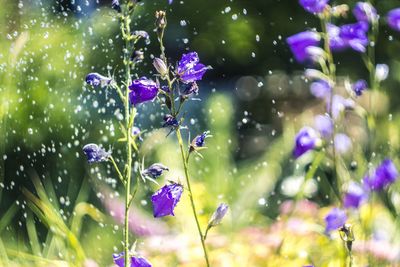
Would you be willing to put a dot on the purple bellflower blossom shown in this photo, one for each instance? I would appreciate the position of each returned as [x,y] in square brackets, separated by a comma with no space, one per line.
[335,219]
[320,89]
[135,261]
[165,199]
[200,140]
[393,19]
[190,69]
[353,36]
[218,215]
[142,90]
[324,125]
[359,86]
[155,170]
[340,104]
[364,11]
[115,5]
[314,6]
[299,43]
[191,88]
[94,153]
[385,174]
[355,196]
[342,143]
[96,79]
[305,140]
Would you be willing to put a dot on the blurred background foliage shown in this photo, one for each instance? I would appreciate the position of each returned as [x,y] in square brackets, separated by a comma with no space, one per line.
[55,208]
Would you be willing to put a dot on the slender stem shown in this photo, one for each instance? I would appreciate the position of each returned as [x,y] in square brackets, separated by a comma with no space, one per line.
[185,166]
[121,177]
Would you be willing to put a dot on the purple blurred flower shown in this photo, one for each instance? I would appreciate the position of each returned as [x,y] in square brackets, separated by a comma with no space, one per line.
[218,215]
[165,199]
[353,36]
[364,11]
[155,170]
[115,5]
[96,79]
[142,90]
[191,88]
[190,69]
[135,261]
[339,104]
[393,19]
[314,6]
[94,153]
[342,143]
[386,173]
[354,196]
[320,89]
[324,125]
[199,140]
[305,140]
[381,72]
[359,86]
[335,219]
[299,43]
[141,34]
[170,121]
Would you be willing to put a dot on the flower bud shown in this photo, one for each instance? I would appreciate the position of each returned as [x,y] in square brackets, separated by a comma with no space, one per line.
[381,72]
[218,215]
[161,21]
[160,66]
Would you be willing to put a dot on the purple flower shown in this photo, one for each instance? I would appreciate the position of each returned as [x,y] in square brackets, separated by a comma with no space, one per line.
[142,90]
[165,199]
[141,34]
[190,69]
[191,88]
[386,173]
[342,143]
[170,121]
[354,196]
[324,125]
[359,86]
[135,261]
[335,219]
[155,170]
[200,140]
[364,11]
[299,43]
[340,104]
[320,89]
[353,36]
[218,215]
[393,19]
[115,5]
[170,1]
[305,140]
[314,6]
[94,153]
[96,79]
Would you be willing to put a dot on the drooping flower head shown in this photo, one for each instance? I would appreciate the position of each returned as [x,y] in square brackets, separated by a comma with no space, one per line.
[94,153]
[155,170]
[200,140]
[359,86]
[96,79]
[354,196]
[386,173]
[335,219]
[191,88]
[393,19]
[342,143]
[160,66]
[299,43]
[320,89]
[354,36]
[142,90]
[165,199]
[115,5]
[135,261]
[340,104]
[218,215]
[190,69]
[324,125]
[314,6]
[364,11]
[305,140]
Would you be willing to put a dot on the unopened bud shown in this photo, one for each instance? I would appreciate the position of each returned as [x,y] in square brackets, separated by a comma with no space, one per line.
[160,66]
[218,215]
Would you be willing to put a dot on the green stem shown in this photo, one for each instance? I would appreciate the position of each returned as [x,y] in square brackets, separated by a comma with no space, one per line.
[121,177]
[185,166]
